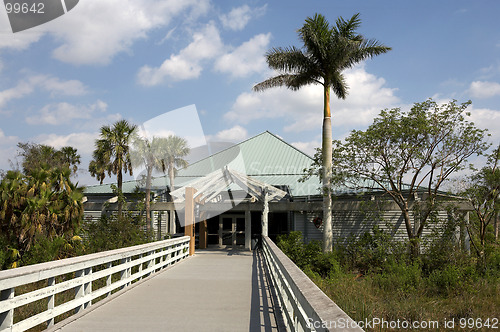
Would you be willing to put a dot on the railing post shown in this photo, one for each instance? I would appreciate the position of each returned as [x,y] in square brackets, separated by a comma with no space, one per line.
[87,288]
[108,279]
[79,290]
[123,273]
[51,302]
[129,270]
[7,317]
[140,267]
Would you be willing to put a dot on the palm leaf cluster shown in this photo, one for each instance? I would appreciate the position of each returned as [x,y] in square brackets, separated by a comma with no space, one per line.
[112,154]
[327,51]
[163,154]
[45,203]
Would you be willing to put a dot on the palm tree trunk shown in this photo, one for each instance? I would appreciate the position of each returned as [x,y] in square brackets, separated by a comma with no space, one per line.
[120,196]
[327,172]
[149,171]
[171,177]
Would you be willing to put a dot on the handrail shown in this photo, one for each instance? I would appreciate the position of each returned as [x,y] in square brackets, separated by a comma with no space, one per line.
[304,306]
[144,259]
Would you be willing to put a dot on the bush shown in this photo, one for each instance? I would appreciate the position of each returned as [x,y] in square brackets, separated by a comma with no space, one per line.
[45,249]
[112,232]
[400,277]
[309,257]
[371,252]
[292,245]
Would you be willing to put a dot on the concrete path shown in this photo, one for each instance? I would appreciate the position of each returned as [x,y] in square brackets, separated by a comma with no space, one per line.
[215,290]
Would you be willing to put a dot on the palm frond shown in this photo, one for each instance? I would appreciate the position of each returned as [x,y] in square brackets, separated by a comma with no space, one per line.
[287,59]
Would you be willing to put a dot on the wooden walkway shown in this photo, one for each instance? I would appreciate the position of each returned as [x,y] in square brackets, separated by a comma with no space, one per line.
[214,290]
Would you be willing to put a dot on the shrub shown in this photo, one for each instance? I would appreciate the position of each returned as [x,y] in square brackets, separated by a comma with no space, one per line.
[309,257]
[112,232]
[292,245]
[400,277]
[45,249]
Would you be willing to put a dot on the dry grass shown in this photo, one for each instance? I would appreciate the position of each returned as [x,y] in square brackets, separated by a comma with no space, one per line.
[362,298]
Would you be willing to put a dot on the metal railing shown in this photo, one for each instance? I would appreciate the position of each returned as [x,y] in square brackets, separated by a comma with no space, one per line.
[303,305]
[116,269]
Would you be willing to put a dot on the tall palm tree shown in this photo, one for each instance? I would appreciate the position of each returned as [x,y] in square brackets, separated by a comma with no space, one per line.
[174,149]
[326,53]
[112,155]
[149,153]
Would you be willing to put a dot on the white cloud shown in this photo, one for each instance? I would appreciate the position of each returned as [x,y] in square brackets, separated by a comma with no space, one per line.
[95,31]
[489,119]
[7,149]
[65,113]
[303,110]
[16,41]
[83,142]
[187,64]
[53,85]
[307,147]
[239,17]
[234,134]
[247,58]
[66,88]
[484,89]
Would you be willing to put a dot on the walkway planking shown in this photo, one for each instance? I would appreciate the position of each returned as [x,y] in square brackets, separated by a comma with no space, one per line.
[214,290]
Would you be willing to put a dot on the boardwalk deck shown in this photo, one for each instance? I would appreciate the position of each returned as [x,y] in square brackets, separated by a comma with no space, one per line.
[215,290]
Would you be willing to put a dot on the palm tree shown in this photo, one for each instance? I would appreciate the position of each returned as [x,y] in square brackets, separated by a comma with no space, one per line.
[45,203]
[149,153]
[174,149]
[112,155]
[327,52]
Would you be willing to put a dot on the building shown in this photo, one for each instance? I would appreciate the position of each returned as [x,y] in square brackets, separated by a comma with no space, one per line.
[238,188]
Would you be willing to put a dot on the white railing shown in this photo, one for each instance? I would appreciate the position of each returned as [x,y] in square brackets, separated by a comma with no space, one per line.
[115,269]
[303,305]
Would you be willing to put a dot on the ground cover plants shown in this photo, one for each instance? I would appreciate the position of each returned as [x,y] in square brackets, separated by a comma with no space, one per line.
[374,277]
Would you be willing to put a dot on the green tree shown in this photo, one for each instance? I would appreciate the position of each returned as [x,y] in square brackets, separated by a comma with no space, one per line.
[326,53]
[407,153]
[45,203]
[149,153]
[112,155]
[483,192]
[174,149]
[36,156]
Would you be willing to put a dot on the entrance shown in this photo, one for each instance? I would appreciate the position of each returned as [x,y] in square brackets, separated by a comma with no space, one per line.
[231,230]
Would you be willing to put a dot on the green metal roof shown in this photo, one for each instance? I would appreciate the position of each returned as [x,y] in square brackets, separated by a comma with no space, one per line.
[265,157]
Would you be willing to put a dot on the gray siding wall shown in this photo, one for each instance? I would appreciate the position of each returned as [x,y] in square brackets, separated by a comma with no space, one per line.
[356,223]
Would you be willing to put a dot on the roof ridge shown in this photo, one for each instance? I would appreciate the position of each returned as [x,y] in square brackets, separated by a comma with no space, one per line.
[224,150]
[286,143]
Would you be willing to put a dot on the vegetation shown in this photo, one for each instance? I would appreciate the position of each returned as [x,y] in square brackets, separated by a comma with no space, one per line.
[175,149]
[327,52]
[409,155]
[374,277]
[113,232]
[164,154]
[112,155]
[483,191]
[37,156]
[148,153]
[44,204]
[42,210]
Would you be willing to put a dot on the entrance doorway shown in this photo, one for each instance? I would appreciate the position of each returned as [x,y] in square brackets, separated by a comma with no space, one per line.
[231,230]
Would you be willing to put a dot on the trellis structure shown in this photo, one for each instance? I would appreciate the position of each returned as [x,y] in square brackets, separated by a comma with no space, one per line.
[209,190]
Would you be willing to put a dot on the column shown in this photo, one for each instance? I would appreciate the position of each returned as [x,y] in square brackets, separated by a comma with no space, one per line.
[248,229]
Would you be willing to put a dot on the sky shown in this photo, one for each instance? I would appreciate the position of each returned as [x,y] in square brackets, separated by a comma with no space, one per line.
[107,60]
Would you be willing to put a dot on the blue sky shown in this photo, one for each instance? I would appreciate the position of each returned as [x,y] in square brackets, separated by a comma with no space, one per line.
[136,59]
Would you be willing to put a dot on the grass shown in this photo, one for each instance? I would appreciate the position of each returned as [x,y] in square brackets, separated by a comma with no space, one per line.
[369,284]
[363,299]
